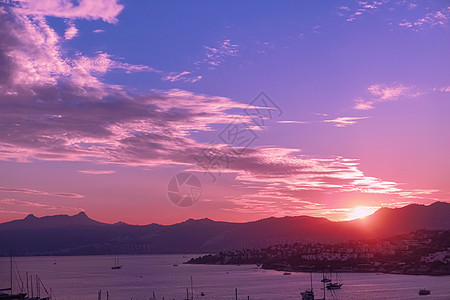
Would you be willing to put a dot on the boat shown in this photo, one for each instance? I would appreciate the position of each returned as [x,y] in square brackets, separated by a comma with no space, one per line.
[324,281]
[324,278]
[335,285]
[22,295]
[286,273]
[308,294]
[4,296]
[116,264]
[424,292]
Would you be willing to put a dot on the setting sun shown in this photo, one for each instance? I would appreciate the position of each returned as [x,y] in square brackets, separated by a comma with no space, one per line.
[361,212]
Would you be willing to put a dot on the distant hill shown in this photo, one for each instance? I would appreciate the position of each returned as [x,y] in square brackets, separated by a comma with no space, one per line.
[409,218]
[80,235]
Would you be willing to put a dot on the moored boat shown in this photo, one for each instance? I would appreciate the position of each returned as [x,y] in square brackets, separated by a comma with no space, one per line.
[424,292]
[308,294]
[116,264]
[334,285]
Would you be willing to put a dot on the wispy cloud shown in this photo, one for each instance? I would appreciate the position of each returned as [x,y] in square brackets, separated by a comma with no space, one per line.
[184,76]
[103,63]
[351,13]
[71,31]
[345,121]
[40,193]
[443,89]
[215,55]
[97,172]
[292,122]
[12,205]
[432,19]
[106,10]
[282,182]
[385,92]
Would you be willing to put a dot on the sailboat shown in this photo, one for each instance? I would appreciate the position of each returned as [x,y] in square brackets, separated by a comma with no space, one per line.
[190,295]
[22,295]
[324,278]
[324,281]
[116,264]
[308,294]
[335,285]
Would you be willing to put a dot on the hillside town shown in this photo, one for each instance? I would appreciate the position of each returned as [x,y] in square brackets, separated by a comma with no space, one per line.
[423,252]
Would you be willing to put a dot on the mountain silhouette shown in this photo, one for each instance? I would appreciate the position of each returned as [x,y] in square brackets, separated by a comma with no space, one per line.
[81,235]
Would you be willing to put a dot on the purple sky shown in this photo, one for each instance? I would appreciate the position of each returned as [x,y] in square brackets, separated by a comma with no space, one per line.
[103,102]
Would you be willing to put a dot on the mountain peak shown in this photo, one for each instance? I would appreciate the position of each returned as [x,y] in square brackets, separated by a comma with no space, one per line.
[81,214]
[30,217]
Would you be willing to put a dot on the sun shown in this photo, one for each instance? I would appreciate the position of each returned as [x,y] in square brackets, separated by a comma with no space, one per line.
[361,212]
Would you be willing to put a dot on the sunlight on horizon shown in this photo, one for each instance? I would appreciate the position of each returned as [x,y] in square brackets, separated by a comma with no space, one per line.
[360,212]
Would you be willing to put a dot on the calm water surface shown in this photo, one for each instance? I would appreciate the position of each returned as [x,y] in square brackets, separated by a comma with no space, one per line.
[81,277]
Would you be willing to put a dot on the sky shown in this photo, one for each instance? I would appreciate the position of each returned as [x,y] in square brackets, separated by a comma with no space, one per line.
[278,108]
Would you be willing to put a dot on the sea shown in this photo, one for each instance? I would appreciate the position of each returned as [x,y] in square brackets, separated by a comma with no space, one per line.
[166,277]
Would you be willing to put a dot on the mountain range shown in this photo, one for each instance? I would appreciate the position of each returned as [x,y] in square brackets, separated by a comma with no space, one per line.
[81,235]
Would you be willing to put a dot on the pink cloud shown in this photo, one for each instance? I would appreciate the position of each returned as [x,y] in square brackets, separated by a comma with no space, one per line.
[433,19]
[183,76]
[14,206]
[345,121]
[97,172]
[71,31]
[40,193]
[386,92]
[291,122]
[214,56]
[107,10]
[363,7]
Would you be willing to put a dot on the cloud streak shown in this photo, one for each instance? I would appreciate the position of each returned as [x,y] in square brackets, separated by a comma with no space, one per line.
[97,172]
[215,55]
[386,92]
[40,193]
[106,10]
[345,121]
[433,19]
[12,205]
[71,31]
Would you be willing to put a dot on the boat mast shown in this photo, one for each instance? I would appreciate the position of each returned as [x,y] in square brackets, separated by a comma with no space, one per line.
[32,288]
[38,288]
[323,280]
[10,275]
[192,290]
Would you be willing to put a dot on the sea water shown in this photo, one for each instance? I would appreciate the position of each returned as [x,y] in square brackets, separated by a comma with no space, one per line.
[81,277]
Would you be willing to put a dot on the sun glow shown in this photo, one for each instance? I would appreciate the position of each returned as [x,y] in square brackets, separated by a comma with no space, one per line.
[361,212]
